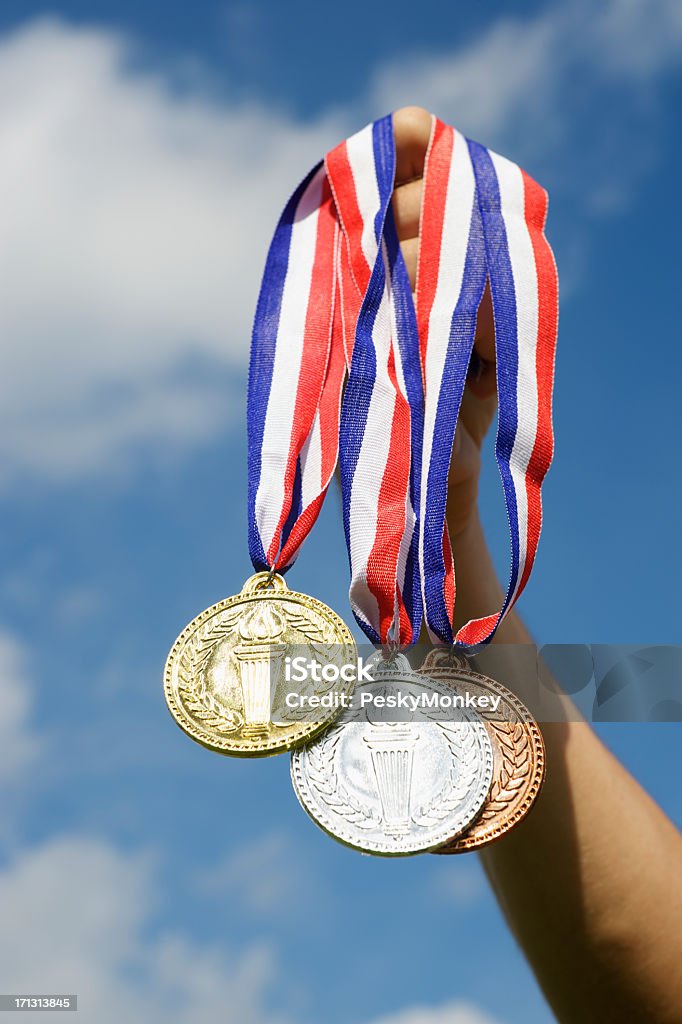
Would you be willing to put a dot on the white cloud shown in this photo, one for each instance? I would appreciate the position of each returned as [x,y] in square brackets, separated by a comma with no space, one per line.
[456,1012]
[19,744]
[81,917]
[480,87]
[457,883]
[136,218]
[82,921]
[522,73]
[75,605]
[265,876]
[633,38]
[135,223]
[571,92]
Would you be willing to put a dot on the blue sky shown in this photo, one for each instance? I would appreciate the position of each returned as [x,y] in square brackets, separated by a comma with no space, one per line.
[147,151]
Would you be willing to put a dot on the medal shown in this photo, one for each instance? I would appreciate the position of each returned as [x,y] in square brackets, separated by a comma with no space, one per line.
[395,788]
[518,752]
[347,369]
[224,681]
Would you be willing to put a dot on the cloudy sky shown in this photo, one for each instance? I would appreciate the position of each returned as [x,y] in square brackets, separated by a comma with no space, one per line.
[146,152]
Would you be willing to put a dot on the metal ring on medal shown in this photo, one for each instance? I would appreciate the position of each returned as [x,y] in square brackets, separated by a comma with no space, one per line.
[224,680]
[518,752]
[396,788]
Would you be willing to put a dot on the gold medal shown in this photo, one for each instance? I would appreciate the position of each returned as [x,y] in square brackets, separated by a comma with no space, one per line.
[226,675]
[518,751]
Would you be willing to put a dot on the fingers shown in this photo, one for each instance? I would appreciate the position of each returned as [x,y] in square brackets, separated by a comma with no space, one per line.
[485,328]
[407,201]
[410,249]
[481,378]
[412,131]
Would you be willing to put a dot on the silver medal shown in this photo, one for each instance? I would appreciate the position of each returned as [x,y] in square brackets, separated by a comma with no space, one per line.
[395,788]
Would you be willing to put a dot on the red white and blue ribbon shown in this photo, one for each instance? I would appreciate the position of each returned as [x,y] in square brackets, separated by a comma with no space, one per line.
[336,301]
[325,308]
[483,216]
[451,276]
[381,413]
[525,293]
[295,378]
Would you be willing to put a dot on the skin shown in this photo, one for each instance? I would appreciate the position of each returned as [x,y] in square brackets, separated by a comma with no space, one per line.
[591,881]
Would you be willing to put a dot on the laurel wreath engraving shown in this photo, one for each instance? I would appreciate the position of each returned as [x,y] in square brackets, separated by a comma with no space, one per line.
[324,648]
[321,638]
[324,778]
[191,681]
[464,749]
[311,625]
[514,747]
[518,761]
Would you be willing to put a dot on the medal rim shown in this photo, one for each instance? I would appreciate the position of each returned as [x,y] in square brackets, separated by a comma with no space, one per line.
[253,748]
[463,673]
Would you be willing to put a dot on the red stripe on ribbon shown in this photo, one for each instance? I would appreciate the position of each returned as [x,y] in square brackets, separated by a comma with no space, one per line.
[391,515]
[340,177]
[436,176]
[314,355]
[437,165]
[535,203]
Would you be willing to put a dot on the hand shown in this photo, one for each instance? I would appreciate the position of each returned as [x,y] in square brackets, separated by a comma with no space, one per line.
[412,129]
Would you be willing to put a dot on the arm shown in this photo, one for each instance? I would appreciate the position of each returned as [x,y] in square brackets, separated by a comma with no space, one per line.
[591,881]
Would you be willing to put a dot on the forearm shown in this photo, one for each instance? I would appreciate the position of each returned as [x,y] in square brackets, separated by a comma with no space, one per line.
[591,881]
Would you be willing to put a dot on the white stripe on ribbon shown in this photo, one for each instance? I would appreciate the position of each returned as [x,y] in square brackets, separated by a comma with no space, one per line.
[360,152]
[369,472]
[311,464]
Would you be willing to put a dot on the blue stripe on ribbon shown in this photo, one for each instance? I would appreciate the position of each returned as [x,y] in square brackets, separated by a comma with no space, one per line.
[460,344]
[296,504]
[263,346]
[506,337]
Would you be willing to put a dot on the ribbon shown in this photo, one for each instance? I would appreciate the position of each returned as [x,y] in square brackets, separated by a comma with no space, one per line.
[525,295]
[451,275]
[335,304]
[293,379]
[483,217]
[326,310]
[381,409]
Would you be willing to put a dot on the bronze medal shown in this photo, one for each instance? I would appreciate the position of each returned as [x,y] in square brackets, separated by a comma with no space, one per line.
[518,752]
